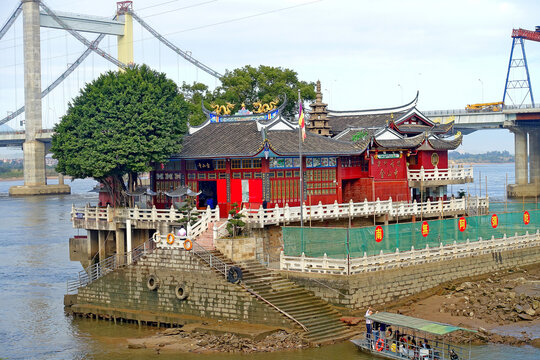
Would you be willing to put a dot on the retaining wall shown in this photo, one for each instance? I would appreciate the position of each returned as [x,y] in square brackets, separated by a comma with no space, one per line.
[381,287]
[124,294]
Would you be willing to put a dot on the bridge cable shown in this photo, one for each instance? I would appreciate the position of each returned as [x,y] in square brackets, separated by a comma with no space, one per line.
[174,47]
[11,20]
[82,39]
[59,80]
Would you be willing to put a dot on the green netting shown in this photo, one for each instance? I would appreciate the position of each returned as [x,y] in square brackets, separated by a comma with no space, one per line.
[339,242]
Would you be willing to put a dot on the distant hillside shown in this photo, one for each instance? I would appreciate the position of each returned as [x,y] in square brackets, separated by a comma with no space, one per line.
[489,157]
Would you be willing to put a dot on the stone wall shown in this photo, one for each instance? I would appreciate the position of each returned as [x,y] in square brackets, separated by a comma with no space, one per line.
[382,287]
[240,249]
[124,294]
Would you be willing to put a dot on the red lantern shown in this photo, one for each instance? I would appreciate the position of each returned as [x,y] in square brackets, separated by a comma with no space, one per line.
[526,218]
[462,224]
[425,229]
[494,221]
[379,233]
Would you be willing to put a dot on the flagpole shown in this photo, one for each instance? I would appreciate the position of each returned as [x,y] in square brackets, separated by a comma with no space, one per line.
[300,140]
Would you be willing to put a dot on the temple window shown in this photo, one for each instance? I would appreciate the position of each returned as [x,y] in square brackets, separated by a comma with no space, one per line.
[219,164]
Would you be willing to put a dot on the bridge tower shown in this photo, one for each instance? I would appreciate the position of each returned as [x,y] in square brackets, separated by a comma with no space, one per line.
[513,89]
[35,181]
[34,150]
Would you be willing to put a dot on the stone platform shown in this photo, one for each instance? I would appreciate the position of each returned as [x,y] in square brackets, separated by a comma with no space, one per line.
[523,190]
[27,190]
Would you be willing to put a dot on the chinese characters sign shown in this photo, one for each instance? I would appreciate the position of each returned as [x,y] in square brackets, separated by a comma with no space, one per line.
[425,229]
[462,224]
[494,221]
[526,218]
[204,165]
[379,233]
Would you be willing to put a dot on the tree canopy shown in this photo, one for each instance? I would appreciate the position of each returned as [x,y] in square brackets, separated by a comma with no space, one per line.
[119,124]
[248,85]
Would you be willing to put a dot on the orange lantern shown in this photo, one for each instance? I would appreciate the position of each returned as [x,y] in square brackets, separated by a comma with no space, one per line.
[526,218]
[462,224]
[379,233]
[494,221]
[425,229]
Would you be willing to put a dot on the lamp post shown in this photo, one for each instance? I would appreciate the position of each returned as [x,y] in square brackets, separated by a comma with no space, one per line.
[481,82]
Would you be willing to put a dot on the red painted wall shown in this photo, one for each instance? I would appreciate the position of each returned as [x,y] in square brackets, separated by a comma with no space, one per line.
[424,159]
[387,169]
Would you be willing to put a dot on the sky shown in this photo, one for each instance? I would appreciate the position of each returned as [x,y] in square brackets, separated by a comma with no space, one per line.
[367,54]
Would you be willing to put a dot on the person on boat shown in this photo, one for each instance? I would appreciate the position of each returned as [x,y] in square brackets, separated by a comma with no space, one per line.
[369,322]
[376,327]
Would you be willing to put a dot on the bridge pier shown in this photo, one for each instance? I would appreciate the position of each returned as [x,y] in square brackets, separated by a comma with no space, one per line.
[35,181]
[527,163]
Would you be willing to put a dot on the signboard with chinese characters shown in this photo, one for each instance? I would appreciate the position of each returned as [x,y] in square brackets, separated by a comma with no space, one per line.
[526,218]
[462,224]
[494,221]
[379,233]
[204,165]
[425,229]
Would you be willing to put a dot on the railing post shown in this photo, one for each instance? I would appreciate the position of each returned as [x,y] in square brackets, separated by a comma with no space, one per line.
[260,213]
[154,213]
[216,213]
[135,213]
[422,173]
[281,260]
[214,232]
[286,213]
[436,173]
[303,262]
[109,216]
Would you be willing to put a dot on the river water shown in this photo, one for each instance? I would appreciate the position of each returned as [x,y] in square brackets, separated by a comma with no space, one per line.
[34,268]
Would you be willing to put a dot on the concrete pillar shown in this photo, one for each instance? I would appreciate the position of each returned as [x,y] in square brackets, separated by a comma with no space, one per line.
[102,234]
[534,157]
[125,42]
[120,247]
[34,151]
[521,164]
[128,239]
[60,179]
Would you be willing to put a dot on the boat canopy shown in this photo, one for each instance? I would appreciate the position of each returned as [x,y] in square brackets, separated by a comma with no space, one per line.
[415,323]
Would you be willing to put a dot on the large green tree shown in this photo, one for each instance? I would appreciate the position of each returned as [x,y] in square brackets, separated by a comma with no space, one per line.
[119,124]
[248,85]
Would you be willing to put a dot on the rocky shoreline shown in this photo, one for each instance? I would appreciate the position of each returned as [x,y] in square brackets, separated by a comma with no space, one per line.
[504,308]
[185,340]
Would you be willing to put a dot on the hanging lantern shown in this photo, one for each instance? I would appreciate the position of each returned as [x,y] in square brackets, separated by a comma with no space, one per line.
[379,233]
[462,224]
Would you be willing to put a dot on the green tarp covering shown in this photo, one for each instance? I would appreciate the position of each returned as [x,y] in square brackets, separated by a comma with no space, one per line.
[415,323]
[337,243]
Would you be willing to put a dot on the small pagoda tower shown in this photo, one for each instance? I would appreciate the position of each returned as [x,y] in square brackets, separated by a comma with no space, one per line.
[318,116]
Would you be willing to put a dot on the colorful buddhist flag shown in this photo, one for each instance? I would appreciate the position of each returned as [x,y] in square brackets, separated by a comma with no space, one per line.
[494,221]
[379,233]
[425,229]
[462,224]
[302,122]
[526,218]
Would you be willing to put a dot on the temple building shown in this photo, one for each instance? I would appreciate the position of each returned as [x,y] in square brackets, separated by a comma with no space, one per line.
[252,159]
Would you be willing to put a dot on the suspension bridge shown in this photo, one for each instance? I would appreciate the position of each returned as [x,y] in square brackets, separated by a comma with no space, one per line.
[36,136]
[30,125]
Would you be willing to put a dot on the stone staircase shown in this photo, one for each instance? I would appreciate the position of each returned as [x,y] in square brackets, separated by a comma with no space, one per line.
[319,318]
[206,239]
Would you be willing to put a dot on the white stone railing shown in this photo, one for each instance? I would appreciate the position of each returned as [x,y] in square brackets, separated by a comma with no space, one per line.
[326,265]
[114,214]
[452,173]
[287,214]
[262,217]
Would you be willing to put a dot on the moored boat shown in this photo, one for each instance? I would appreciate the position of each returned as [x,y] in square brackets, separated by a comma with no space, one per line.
[396,336]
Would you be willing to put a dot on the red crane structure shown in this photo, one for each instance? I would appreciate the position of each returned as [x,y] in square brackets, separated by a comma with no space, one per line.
[513,89]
